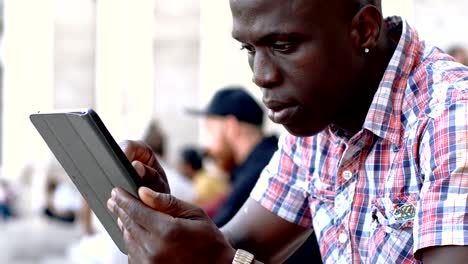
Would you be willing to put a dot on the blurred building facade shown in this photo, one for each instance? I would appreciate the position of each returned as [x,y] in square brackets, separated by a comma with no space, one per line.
[138,60]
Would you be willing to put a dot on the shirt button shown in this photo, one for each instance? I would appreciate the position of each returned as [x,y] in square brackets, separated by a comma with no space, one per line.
[343,237]
[347,175]
[388,230]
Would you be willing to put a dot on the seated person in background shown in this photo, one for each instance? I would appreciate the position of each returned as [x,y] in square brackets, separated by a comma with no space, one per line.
[6,199]
[63,201]
[181,187]
[234,123]
[210,190]
[459,53]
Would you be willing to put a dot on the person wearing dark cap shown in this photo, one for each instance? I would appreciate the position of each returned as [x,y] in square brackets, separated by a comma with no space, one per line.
[237,144]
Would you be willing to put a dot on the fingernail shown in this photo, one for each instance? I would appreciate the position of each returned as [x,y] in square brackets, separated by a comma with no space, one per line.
[119,223]
[139,168]
[113,193]
[145,191]
[110,205]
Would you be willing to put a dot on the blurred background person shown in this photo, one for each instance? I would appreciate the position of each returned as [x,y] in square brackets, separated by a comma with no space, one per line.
[210,190]
[181,187]
[459,53]
[63,201]
[237,144]
[6,200]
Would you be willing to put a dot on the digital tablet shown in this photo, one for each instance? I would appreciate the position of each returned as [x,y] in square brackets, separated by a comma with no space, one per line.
[92,159]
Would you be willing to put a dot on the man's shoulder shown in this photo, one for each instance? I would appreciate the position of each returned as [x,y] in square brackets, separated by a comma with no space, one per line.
[437,82]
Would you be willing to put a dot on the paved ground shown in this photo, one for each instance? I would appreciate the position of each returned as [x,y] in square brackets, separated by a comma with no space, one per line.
[36,240]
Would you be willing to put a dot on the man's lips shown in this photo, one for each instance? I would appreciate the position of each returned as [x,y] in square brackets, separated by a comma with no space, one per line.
[281,113]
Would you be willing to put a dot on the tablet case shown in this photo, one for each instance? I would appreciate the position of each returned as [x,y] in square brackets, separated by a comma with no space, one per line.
[92,159]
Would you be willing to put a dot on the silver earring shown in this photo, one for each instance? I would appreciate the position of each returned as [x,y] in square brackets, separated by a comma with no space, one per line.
[366,50]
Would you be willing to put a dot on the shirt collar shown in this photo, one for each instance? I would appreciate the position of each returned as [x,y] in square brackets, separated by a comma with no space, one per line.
[384,116]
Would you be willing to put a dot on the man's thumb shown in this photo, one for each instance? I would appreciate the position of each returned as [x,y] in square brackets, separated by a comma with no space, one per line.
[168,204]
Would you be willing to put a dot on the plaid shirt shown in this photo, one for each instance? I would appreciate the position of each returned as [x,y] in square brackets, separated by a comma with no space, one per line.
[399,185]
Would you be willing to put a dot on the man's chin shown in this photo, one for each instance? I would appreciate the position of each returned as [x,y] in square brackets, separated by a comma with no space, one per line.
[302,131]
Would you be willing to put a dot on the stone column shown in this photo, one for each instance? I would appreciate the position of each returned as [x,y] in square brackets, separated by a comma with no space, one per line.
[28,80]
[124,65]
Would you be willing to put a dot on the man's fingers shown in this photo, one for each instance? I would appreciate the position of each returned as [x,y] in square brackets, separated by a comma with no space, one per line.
[139,168]
[168,204]
[134,249]
[129,210]
[137,150]
[151,177]
[127,224]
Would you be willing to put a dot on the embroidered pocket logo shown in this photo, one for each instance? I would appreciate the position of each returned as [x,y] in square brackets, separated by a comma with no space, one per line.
[404,212]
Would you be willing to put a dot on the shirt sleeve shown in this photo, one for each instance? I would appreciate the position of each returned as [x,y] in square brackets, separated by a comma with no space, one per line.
[282,187]
[441,218]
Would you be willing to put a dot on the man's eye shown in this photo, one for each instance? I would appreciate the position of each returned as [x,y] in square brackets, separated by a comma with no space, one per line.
[248,48]
[283,47]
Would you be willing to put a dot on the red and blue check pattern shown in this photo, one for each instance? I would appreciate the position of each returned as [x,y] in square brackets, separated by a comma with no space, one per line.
[398,186]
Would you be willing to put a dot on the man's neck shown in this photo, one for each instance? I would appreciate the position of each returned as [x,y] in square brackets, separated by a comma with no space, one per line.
[244,145]
[351,122]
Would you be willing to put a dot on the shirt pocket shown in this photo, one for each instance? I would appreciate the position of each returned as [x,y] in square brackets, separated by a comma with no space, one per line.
[392,228]
[394,211]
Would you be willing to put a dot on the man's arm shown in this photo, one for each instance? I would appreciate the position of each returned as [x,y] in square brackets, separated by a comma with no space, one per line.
[441,221]
[163,229]
[262,233]
[440,255]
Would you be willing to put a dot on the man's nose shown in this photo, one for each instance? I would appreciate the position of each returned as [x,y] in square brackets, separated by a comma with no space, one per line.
[265,72]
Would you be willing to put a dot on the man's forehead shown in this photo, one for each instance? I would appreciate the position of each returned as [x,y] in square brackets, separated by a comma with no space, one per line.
[261,17]
[241,7]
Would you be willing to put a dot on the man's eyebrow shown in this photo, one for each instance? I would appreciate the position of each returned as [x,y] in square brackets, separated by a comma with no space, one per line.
[268,38]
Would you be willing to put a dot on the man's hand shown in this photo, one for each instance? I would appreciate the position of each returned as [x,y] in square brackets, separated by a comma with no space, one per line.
[162,229]
[146,165]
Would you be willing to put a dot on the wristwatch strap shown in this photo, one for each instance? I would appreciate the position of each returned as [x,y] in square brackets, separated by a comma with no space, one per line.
[242,257]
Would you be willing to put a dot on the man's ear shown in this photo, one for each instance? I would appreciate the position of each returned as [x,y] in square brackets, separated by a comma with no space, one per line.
[366,27]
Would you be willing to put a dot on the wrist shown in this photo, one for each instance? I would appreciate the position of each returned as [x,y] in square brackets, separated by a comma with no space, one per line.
[243,257]
[228,255]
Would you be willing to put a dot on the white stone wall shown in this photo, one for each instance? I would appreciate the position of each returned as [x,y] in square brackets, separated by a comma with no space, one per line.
[74,53]
[177,70]
[443,23]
